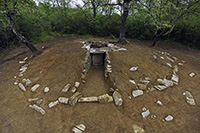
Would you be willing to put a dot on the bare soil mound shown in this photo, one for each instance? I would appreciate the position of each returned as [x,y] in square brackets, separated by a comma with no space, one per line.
[62,62]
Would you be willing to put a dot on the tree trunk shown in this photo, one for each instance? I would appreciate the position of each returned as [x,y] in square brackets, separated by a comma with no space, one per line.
[21,38]
[122,37]
[94,19]
[155,39]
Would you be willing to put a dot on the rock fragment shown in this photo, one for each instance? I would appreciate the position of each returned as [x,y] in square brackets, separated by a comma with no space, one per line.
[160,87]
[162,57]
[22,62]
[137,93]
[145,114]
[73,89]
[132,81]
[180,64]
[189,98]
[169,118]
[63,100]
[137,129]
[39,101]
[175,78]
[105,98]
[52,104]
[35,87]
[46,89]
[88,99]
[21,86]
[66,88]
[79,128]
[133,69]
[146,80]
[32,99]
[28,82]
[175,69]
[74,98]
[155,57]
[16,82]
[168,64]
[170,59]
[117,98]
[37,108]
[77,84]
[122,49]
[165,82]
[142,86]
[159,103]
[192,74]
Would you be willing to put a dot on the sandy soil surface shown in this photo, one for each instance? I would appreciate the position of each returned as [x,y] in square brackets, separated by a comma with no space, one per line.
[62,61]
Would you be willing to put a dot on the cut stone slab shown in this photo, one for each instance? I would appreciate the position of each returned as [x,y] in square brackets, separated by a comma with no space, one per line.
[79,128]
[74,98]
[133,69]
[21,86]
[53,104]
[66,88]
[63,100]
[137,93]
[117,98]
[35,87]
[169,118]
[189,98]
[137,129]
[88,99]
[105,98]
[37,108]
[145,114]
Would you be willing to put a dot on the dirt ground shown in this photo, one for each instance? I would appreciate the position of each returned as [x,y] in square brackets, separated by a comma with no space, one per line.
[62,61]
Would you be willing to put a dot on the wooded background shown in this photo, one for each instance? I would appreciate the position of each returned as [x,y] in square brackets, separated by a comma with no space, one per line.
[172,20]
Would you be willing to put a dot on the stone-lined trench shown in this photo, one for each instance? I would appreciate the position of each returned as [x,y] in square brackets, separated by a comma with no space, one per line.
[97,66]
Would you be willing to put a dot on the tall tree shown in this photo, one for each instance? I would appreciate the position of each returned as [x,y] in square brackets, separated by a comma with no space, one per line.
[92,5]
[125,6]
[164,14]
[10,11]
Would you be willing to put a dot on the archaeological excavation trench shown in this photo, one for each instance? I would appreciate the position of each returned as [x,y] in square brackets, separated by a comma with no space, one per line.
[97,67]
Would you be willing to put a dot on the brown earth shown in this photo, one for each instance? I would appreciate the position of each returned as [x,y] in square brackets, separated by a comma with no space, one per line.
[62,61]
